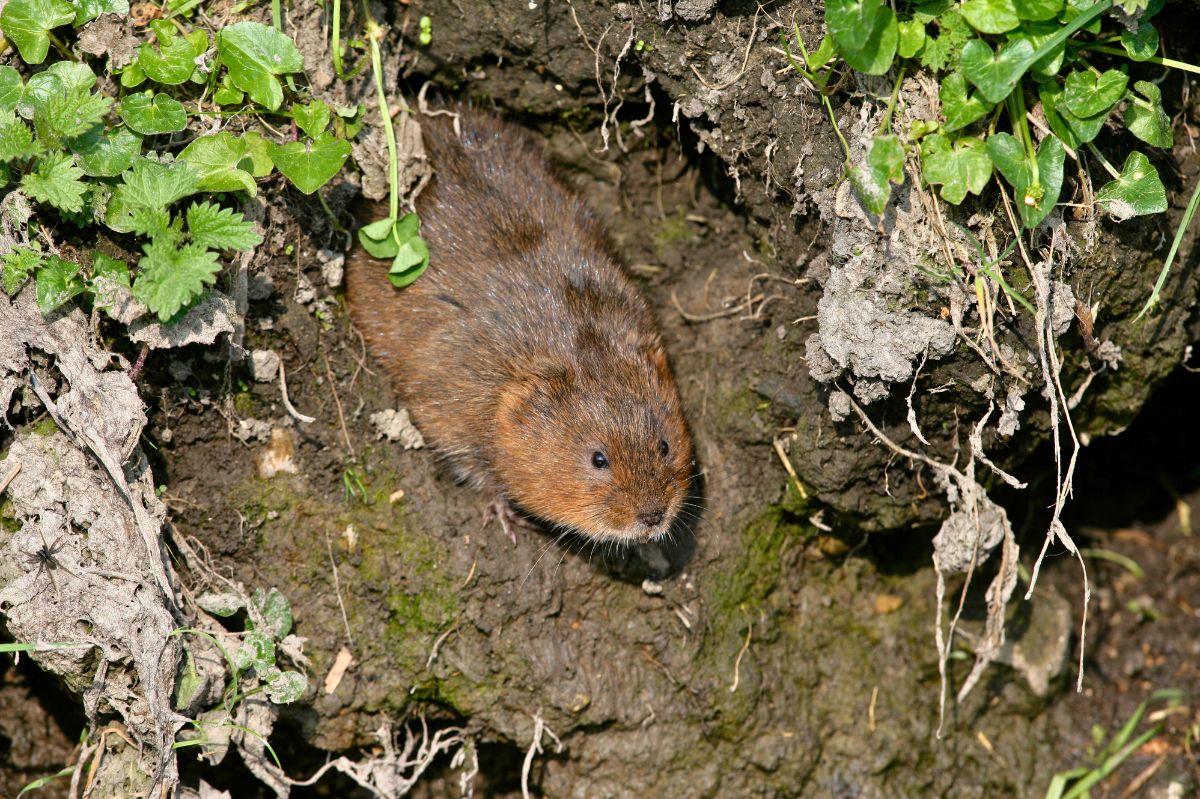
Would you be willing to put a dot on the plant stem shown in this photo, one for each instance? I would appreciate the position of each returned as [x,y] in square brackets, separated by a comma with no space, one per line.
[337,40]
[1020,125]
[1109,168]
[820,86]
[887,118]
[1162,62]
[373,32]
[1162,275]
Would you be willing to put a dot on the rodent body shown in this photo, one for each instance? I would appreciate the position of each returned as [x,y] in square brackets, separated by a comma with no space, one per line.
[524,353]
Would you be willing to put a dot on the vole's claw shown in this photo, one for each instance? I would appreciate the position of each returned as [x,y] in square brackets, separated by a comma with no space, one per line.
[501,510]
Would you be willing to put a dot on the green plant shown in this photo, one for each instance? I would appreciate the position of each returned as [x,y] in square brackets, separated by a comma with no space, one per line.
[995,61]
[102,160]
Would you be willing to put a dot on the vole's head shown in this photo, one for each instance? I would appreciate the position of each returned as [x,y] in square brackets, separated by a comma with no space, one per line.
[600,447]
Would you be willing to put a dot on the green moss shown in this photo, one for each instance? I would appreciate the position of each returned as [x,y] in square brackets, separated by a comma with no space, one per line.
[8,516]
[44,426]
[673,232]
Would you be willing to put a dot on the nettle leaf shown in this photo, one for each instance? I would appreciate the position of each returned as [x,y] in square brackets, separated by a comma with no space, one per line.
[218,161]
[152,114]
[1034,202]
[107,153]
[953,33]
[11,88]
[110,280]
[16,139]
[58,282]
[960,167]
[257,651]
[866,33]
[311,166]
[1140,44]
[959,108]
[56,181]
[171,277]
[70,114]
[19,264]
[884,166]
[88,10]
[1087,94]
[276,611]
[174,60]
[26,23]
[912,38]
[56,80]
[217,228]
[1146,118]
[148,186]
[1138,191]
[312,118]
[1038,10]
[283,687]
[254,54]
[991,16]
[1037,34]
[996,74]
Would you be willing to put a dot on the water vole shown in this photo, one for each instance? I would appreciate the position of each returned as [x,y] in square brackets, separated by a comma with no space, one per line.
[524,353]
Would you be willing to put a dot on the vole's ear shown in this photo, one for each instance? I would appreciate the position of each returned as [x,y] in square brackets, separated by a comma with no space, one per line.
[532,396]
[658,360]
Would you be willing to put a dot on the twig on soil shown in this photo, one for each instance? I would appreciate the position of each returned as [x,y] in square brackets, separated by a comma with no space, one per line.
[287,403]
[8,478]
[337,589]
[337,402]
[745,60]
[871,709]
[787,466]
[535,748]
[737,663]
[437,644]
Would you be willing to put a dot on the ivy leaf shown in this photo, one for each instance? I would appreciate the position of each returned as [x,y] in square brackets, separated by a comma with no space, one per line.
[56,181]
[175,59]
[276,611]
[871,181]
[312,118]
[254,54]
[220,604]
[1073,130]
[11,89]
[227,93]
[26,23]
[310,167]
[961,167]
[1137,192]
[1087,95]
[996,74]
[152,114]
[960,108]
[1037,10]
[283,687]
[19,264]
[991,16]
[912,38]
[1146,118]
[1141,44]
[1037,34]
[171,277]
[107,153]
[258,152]
[217,159]
[1034,202]
[16,139]
[217,228]
[256,652]
[865,32]
[88,10]
[58,282]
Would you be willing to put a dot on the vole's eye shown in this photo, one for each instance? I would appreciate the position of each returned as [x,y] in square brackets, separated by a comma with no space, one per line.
[663,449]
[599,460]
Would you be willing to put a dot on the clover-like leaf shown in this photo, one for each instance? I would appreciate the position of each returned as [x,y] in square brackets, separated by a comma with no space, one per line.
[311,166]
[1072,130]
[872,181]
[254,54]
[996,73]
[1140,44]
[218,161]
[171,277]
[150,114]
[1035,199]
[1145,117]
[56,181]
[866,33]
[991,16]
[27,23]
[107,153]
[1137,192]
[1087,94]
[58,282]
[398,240]
[960,107]
[960,167]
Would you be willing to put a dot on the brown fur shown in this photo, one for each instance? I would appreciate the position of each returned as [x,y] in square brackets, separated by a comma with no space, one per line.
[524,349]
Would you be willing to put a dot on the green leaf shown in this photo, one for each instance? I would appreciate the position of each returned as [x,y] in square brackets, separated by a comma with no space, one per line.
[11,88]
[1146,118]
[220,604]
[1138,191]
[996,74]
[254,54]
[991,16]
[276,611]
[148,186]
[1037,34]
[312,118]
[218,161]
[217,228]
[282,687]
[1034,201]
[258,151]
[884,165]
[56,181]
[1038,10]
[58,282]
[257,651]
[1141,44]
[19,264]
[174,60]
[152,114]
[26,24]
[381,238]
[1087,95]
[865,32]
[912,38]
[56,80]
[961,167]
[109,268]
[227,93]
[171,277]
[132,76]
[107,153]
[88,10]
[959,108]
[953,34]
[16,139]
[411,260]
[310,167]
[1073,130]
[401,242]
[70,114]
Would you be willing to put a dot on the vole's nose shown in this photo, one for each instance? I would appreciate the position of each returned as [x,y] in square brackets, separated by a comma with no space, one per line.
[652,517]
